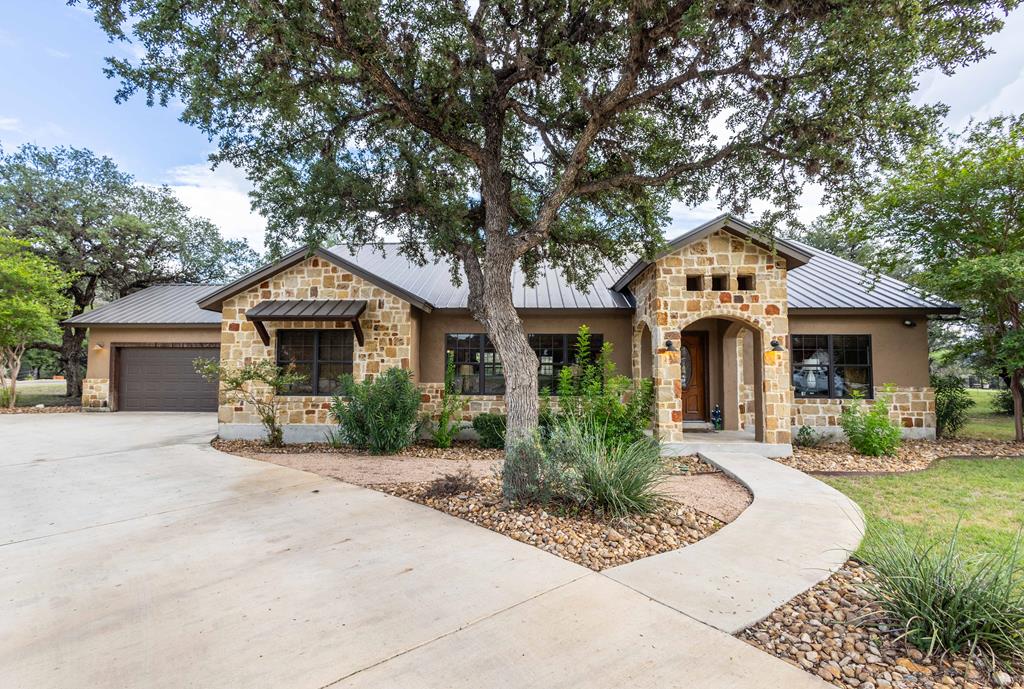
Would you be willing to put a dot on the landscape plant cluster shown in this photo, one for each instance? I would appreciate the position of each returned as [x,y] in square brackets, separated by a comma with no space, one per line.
[868,426]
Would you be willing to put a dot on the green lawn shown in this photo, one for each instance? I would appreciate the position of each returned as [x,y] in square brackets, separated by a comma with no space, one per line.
[48,392]
[983,422]
[987,495]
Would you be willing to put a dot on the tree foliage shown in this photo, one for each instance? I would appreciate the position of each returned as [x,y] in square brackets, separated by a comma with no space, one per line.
[31,303]
[955,211]
[546,134]
[114,234]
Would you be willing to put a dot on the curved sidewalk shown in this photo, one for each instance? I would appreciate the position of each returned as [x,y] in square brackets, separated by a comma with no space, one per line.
[796,533]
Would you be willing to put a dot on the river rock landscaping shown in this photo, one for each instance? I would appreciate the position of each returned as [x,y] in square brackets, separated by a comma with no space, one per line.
[913,455]
[460,451]
[580,536]
[835,631]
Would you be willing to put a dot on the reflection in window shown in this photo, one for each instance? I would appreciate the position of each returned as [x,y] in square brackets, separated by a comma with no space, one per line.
[832,366]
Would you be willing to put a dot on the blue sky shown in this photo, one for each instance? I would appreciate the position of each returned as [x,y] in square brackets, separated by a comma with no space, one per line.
[52,91]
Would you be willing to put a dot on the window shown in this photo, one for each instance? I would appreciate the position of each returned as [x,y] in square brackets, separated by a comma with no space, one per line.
[745,283]
[320,355]
[719,283]
[832,366]
[478,369]
[694,283]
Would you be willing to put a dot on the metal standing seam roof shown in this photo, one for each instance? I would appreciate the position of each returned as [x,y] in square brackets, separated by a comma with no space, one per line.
[306,310]
[156,305]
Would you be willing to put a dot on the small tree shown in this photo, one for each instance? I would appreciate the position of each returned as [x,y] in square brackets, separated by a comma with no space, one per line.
[954,212]
[451,402]
[31,303]
[951,404]
[257,384]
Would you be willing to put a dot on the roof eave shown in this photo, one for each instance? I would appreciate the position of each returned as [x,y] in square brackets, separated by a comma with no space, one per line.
[947,310]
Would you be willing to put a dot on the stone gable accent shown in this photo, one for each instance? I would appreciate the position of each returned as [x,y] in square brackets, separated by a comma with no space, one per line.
[666,306]
[387,325]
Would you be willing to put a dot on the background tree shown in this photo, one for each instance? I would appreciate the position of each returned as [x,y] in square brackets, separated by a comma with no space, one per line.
[955,211]
[548,133]
[116,235]
[31,302]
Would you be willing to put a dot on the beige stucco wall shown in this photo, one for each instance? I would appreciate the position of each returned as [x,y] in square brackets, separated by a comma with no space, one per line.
[101,342]
[387,323]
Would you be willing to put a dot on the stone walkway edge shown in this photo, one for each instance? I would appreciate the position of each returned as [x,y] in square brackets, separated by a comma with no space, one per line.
[795,533]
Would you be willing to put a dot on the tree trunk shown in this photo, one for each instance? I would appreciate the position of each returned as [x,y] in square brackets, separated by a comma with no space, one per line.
[1018,405]
[70,359]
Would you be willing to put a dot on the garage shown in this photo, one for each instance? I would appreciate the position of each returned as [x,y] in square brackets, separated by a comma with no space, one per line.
[164,379]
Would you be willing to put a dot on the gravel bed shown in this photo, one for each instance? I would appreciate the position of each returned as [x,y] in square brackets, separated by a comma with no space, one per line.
[835,631]
[461,451]
[913,455]
[580,536]
[688,465]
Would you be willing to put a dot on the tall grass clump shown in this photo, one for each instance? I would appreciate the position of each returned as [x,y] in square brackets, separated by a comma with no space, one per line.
[946,602]
[616,478]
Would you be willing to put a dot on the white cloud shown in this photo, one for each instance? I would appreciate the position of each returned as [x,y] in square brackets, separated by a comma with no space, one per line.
[53,52]
[9,124]
[220,195]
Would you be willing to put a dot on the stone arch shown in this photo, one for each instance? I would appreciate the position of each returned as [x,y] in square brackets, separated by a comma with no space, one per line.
[643,350]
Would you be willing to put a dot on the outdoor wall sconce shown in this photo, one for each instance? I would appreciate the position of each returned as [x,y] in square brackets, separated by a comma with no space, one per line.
[98,346]
[772,355]
[670,346]
[910,323]
[776,346]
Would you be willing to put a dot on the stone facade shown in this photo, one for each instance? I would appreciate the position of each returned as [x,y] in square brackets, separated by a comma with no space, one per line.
[387,324]
[475,404]
[96,393]
[667,306]
[913,408]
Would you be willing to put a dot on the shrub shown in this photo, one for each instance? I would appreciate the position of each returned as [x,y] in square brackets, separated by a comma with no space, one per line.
[870,432]
[951,404]
[530,473]
[451,402]
[945,602]
[378,415]
[491,429]
[257,384]
[451,484]
[592,390]
[616,478]
[808,437]
[1002,402]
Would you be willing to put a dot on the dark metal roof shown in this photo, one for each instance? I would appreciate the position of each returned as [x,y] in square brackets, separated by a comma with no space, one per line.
[433,283]
[831,283]
[157,305]
[306,310]
[727,223]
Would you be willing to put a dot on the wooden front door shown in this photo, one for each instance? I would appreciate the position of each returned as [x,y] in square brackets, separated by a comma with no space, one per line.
[692,350]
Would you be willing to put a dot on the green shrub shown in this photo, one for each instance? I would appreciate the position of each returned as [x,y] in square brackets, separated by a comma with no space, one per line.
[951,404]
[615,478]
[945,602]
[1002,402]
[530,473]
[870,432]
[378,415]
[808,437]
[592,390]
[491,429]
[445,431]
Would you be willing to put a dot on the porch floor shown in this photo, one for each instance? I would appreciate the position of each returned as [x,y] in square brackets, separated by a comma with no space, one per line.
[695,442]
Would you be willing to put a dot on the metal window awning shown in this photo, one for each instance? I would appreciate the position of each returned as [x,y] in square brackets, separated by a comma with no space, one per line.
[338,310]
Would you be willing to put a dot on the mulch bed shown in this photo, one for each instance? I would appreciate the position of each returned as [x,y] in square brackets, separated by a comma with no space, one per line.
[580,536]
[41,410]
[913,455]
[460,451]
[836,632]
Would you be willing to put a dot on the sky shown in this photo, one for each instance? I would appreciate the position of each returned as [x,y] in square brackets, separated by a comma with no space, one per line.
[53,92]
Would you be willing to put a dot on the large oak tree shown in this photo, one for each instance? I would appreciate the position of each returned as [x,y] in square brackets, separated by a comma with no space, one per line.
[114,235]
[549,132]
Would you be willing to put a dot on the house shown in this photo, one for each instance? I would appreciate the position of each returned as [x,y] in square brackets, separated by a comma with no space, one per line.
[776,337]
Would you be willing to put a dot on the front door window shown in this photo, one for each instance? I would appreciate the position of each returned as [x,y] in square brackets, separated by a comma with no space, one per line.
[686,359]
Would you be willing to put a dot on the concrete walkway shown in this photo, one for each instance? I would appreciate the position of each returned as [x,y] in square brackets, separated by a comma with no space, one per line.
[134,555]
[796,532]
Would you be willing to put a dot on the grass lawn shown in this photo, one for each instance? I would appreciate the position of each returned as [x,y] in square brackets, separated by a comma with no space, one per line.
[985,494]
[48,392]
[982,422]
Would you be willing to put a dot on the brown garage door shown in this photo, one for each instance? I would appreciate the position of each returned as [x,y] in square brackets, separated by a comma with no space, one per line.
[163,379]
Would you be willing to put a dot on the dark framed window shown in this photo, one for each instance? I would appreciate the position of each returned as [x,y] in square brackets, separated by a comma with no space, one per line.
[832,366]
[478,369]
[322,356]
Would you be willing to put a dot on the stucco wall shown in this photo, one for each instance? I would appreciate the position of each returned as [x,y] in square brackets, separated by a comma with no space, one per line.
[101,342]
[387,324]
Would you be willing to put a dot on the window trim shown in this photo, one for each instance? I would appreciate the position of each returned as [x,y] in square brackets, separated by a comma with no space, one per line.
[830,339]
[314,377]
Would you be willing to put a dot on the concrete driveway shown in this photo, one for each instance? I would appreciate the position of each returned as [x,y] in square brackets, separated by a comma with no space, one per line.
[134,555]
